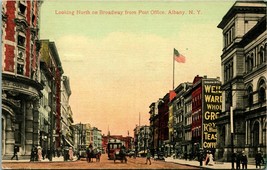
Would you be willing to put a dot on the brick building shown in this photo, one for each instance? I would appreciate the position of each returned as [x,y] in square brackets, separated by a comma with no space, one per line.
[21,87]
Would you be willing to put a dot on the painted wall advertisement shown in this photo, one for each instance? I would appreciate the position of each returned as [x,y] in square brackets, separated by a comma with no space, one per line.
[212,105]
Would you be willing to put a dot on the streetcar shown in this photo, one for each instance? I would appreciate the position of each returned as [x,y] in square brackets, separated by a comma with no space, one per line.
[113,146]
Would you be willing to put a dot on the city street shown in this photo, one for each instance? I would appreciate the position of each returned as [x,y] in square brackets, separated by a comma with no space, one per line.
[138,163]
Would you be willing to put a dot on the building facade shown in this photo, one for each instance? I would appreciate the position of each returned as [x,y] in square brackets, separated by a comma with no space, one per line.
[66,114]
[206,107]
[21,87]
[52,67]
[244,79]
[97,138]
[187,143]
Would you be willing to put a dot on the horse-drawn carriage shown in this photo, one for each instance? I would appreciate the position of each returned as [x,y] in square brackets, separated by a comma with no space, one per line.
[120,154]
[94,153]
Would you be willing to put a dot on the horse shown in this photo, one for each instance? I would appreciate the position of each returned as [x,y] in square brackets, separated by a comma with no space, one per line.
[95,154]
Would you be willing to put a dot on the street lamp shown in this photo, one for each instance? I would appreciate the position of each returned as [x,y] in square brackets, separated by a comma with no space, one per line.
[232,134]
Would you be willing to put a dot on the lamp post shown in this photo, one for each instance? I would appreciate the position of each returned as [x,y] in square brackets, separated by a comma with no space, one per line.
[232,135]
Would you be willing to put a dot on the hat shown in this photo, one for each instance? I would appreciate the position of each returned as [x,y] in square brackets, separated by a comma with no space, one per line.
[39,147]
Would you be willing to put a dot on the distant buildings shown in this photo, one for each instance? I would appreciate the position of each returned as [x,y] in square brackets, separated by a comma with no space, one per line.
[192,109]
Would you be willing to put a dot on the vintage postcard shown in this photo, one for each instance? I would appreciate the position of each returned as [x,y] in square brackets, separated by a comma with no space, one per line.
[121,84]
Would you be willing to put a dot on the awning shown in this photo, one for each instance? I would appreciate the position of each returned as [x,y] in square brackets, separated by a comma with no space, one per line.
[69,143]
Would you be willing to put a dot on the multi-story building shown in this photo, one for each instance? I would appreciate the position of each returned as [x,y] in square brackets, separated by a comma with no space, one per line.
[206,107]
[144,138]
[244,79]
[178,135]
[82,136]
[136,132]
[154,126]
[45,108]
[163,119]
[97,138]
[66,113]
[21,87]
[196,114]
[52,67]
[187,143]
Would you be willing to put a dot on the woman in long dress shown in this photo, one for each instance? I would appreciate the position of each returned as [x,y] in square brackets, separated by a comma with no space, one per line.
[39,153]
[71,153]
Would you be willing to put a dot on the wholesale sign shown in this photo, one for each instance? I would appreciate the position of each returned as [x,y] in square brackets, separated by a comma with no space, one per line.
[212,105]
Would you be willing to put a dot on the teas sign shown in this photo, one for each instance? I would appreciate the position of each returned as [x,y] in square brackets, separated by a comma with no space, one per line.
[212,106]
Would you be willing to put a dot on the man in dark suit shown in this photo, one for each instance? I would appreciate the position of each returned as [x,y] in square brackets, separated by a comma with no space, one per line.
[15,153]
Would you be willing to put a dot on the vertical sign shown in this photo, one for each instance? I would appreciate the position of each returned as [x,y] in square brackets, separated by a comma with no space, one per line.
[212,106]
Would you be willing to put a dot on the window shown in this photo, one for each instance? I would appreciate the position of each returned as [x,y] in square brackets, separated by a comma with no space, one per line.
[228,70]
[22,8]
[261,92]
[250,96]
[20,69]
[262,55]
[21,41]
[249,62]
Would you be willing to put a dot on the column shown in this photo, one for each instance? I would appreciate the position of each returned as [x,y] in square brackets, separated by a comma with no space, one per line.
[10,140]
[36,128]
[28,127]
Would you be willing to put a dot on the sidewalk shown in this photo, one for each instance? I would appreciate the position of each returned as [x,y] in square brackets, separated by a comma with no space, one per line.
[54,159]
[217,165]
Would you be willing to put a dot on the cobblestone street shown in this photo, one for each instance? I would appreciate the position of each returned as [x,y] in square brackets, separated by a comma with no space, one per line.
[138,163]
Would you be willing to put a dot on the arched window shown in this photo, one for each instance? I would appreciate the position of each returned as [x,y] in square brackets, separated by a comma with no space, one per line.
[262,55]
[261,91]
[255,134]
[251,64]
[250,96]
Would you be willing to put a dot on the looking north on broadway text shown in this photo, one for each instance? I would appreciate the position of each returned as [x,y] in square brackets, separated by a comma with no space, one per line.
[127,12]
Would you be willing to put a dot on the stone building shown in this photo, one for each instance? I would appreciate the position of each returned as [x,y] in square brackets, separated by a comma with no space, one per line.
[51,66]
[243,63]
[66,113]
[21,87]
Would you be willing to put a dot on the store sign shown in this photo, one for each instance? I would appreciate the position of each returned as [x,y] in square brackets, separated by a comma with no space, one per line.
[212,106]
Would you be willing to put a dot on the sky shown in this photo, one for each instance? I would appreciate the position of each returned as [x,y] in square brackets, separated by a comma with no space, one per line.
[119,54]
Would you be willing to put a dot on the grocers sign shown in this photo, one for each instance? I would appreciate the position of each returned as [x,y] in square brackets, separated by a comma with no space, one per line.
[212,106]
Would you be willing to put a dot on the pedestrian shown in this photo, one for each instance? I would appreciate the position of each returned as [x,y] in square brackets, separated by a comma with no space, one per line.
[207,160]
[148,156]
[15,152]
[39,153]
[238,160]
[259,159]
[211,162]
[70,153]
[44,153]
[244,160]
[87,154]
[185,156]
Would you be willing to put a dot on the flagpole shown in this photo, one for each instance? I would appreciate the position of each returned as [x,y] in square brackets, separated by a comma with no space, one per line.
[173,71]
